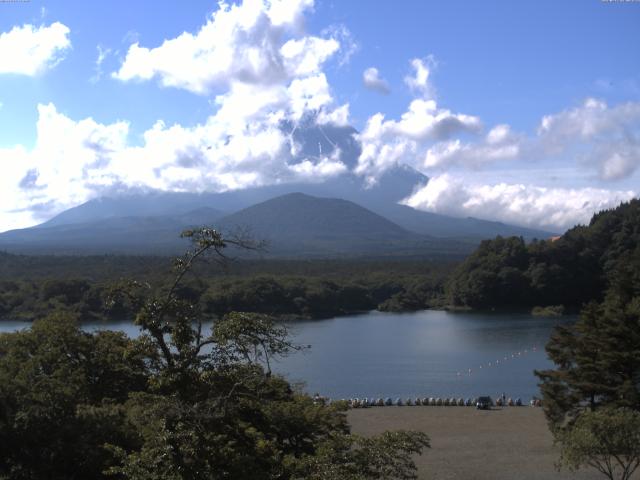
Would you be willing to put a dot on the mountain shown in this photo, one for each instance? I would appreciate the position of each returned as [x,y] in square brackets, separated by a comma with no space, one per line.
[304,225]
[428,223]
[381,198]
[115,234]
[312,141]
[147,204]
[149,221]
[294,225]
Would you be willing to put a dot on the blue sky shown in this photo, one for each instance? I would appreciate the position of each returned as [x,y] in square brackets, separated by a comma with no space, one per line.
[72,129]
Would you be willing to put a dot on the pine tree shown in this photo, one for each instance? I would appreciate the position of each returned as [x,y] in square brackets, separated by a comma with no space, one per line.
[598,361]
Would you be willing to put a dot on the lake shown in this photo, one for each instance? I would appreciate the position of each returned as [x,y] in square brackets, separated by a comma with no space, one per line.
[427,353]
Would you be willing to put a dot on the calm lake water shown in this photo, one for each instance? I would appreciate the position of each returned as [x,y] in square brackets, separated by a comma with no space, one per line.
[427,353]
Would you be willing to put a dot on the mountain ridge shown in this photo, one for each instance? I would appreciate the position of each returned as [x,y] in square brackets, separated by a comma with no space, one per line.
[296,224]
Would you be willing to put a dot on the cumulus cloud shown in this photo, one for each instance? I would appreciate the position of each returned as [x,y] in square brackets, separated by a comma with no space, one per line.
[74,161]
[239,43]
[386,143]
[372,80]
[266,77]
[596,134]
[500,143]
[29,50]
[423,134]
[528,205]
[419,81]
[593,135]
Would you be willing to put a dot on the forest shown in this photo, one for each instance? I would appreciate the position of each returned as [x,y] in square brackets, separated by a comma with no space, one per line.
[560,274]
[30,287]
[568,271]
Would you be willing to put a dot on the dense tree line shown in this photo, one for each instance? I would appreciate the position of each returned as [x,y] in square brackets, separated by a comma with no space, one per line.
[179,402]
[592,397]
[318,295]
[571,270]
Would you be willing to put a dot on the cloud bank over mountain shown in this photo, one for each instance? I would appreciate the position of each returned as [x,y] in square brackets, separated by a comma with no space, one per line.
[528,205]
[266,79]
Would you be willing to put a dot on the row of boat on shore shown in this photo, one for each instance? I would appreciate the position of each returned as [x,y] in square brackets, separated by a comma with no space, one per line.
[435,402]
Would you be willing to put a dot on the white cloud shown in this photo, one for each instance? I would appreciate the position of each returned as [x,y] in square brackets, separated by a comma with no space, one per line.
[269,74]
[596,134]
[103,53]
[419,81]
[29,50]
[420,133]
[593,135]
[385,143]
[339,116]
[373,81]
[499,144]
[239,43]
[550,208]
[74,161]
[348,45]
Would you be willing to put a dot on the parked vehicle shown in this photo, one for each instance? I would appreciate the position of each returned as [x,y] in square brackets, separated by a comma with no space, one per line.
[484,403]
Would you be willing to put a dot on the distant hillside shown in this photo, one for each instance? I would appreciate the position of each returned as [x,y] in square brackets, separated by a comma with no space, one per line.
[436,225]
[295,225]
[151,204]
[156,235]
[575,268]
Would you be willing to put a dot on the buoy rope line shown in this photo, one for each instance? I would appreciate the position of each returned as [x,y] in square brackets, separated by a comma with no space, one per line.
[499,361]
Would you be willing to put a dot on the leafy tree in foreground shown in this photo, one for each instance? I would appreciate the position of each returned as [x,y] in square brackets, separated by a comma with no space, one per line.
[61,398]
[607,440]
[179,402]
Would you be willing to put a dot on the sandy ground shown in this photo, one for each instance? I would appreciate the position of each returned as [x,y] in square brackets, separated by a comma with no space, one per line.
[511,443]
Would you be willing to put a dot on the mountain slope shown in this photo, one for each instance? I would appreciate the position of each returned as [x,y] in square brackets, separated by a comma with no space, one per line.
[303,216]
[134,234]
[428,223]
[294,225]
[299,224]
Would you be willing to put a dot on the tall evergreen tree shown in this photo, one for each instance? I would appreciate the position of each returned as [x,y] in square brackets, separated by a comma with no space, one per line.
[598,361]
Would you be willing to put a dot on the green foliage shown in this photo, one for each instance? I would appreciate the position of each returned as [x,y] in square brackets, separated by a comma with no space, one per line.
[179,402]
[59,394]
[607,440]
[350,457]
[571,271]
[318,290]
[597,359]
